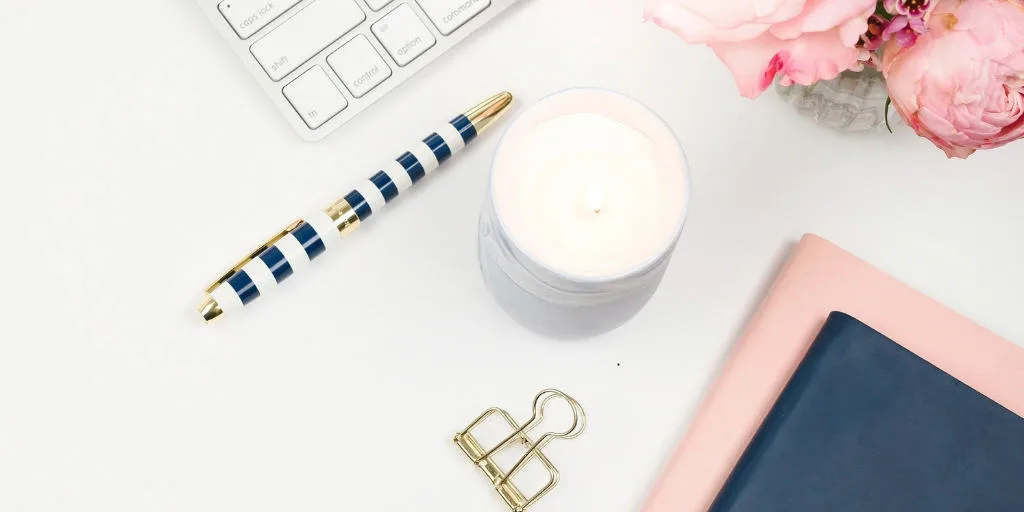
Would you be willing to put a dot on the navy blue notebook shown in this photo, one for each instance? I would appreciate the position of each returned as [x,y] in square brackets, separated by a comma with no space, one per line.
[866,425]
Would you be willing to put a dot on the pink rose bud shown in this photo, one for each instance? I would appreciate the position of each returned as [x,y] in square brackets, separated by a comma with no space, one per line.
[962,84]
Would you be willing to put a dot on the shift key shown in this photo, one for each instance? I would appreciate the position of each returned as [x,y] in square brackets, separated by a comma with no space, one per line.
[304,35]
[248,16]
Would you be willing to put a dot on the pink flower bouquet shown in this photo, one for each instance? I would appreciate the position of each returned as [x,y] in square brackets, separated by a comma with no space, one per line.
[954,69]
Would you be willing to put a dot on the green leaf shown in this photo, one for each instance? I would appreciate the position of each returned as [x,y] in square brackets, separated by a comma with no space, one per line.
[880,10]
[888,103]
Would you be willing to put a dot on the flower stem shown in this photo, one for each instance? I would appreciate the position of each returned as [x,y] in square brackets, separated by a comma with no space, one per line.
[888,103]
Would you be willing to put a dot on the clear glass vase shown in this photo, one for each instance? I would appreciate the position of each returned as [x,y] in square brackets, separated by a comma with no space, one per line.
[852,102]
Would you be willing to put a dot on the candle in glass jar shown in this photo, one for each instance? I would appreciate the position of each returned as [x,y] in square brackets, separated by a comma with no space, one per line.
[588,196]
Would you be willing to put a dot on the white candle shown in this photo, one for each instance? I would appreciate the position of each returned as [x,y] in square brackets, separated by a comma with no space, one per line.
[588,196]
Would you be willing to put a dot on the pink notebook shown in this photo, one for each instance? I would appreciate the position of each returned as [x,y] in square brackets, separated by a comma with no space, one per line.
[818,279]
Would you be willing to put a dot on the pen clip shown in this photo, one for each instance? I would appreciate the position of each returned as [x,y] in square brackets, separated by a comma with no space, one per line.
[266,245]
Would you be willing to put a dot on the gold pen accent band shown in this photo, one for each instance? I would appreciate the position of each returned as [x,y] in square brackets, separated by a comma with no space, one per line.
[343,216]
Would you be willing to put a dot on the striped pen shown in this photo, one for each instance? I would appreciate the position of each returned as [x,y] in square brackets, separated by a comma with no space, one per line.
[293,248]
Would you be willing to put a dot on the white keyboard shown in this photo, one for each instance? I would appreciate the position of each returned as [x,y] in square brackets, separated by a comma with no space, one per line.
[324,61]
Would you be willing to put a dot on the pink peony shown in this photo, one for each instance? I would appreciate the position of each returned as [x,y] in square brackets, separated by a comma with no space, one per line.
[804,40]
[962,84]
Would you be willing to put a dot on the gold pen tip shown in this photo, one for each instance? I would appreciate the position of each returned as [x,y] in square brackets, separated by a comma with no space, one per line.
[210,310]
[485,114]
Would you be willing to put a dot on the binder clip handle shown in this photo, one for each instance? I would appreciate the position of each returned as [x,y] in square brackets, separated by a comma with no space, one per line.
[579,422]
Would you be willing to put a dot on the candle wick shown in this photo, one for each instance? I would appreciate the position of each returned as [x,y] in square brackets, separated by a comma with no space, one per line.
[595,199]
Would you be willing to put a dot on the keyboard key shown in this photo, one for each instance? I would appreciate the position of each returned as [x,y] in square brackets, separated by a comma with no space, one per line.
[302,36]
[377,4]
[449,15]
[403,34]
[315,97]
[248,16]
[359,65]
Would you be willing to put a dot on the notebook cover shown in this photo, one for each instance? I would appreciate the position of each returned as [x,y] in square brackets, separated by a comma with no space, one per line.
[865,424]
[820,278]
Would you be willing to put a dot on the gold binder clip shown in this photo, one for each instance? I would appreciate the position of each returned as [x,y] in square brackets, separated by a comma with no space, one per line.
[502,481]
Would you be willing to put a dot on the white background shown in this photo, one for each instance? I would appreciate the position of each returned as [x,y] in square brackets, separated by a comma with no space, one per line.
[139,159]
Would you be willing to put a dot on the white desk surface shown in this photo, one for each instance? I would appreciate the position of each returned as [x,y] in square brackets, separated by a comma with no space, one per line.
[140,159]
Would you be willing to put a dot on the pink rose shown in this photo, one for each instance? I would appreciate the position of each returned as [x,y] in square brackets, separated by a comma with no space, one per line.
[962,85]
[804,40]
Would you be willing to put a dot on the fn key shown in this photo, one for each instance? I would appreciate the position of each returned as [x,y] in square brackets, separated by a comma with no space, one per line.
[315,97]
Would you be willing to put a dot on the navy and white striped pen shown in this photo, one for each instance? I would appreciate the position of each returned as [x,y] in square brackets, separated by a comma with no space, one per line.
[293,248]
